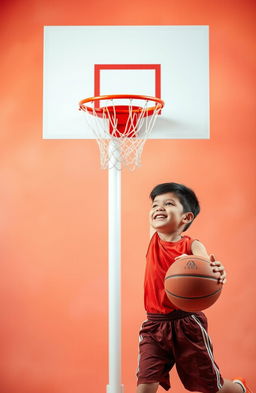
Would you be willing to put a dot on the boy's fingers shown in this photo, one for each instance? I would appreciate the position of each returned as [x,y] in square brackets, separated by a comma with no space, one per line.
[223,280]
[212,258]
[218,267]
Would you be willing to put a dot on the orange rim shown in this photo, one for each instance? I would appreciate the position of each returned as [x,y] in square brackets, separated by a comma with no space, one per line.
[158,103]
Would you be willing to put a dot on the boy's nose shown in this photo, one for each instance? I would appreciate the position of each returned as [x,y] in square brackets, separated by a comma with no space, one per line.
[160,208]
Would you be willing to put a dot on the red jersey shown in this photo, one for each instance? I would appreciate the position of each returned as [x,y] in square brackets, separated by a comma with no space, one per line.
[160,256]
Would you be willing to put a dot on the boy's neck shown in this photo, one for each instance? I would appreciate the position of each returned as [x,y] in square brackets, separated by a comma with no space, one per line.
[169,237]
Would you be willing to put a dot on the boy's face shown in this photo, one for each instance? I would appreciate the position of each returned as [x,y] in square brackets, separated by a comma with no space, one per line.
[166,214]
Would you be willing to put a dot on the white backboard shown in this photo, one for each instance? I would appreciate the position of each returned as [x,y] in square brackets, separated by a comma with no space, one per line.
[171,62]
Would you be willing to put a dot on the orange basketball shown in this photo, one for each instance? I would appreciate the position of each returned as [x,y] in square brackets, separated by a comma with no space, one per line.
[191,284]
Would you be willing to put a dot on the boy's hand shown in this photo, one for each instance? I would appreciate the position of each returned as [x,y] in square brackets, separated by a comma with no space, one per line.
[218,267]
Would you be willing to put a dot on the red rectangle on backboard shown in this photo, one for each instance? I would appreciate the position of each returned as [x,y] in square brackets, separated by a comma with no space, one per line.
[99,67]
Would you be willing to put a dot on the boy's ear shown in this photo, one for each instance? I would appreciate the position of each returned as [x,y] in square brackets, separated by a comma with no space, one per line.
[188,217]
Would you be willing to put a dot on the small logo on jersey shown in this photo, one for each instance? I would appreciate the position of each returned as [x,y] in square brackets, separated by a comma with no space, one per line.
[191,265]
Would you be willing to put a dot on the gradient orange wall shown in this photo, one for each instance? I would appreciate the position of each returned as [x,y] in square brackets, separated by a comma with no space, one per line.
[53,226]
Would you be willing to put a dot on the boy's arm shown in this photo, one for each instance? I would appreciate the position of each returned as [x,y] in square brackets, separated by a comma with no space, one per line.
[199,249]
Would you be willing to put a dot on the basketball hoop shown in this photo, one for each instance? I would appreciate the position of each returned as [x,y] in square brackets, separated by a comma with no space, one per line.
[121,126]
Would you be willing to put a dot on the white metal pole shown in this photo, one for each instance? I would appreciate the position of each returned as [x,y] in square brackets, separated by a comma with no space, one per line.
[114,274]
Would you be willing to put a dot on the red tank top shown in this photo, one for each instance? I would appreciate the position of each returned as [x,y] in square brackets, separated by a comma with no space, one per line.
[160,256]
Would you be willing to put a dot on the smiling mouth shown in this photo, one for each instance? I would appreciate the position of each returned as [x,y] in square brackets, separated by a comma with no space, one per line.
[160,217]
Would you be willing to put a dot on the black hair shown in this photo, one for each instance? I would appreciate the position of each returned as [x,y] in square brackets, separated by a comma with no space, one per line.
[186,196]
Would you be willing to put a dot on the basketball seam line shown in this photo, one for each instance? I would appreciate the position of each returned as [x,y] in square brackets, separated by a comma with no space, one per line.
[192,275]
[193,298]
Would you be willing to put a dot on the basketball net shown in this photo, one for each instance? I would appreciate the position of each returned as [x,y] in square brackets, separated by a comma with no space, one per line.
[121,130]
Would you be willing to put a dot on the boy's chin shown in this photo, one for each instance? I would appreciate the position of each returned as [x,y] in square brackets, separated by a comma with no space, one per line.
[162,228]
[157,225]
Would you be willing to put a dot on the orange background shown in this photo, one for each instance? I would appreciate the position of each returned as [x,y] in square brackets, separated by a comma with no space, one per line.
[53,224]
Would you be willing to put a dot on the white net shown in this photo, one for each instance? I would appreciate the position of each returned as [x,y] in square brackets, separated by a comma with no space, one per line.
[121,130]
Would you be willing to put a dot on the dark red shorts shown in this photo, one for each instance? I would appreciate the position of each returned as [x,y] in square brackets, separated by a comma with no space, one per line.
[178,338]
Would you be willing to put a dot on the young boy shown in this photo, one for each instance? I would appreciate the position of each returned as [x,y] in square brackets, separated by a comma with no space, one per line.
[171,336]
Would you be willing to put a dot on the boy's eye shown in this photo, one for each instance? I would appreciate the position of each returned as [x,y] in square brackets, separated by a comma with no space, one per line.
[169,203]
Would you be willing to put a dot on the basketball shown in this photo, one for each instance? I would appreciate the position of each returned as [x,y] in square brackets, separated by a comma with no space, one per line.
[191,284]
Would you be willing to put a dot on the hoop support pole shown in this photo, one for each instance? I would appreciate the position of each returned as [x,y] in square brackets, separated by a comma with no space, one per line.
[114,276]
